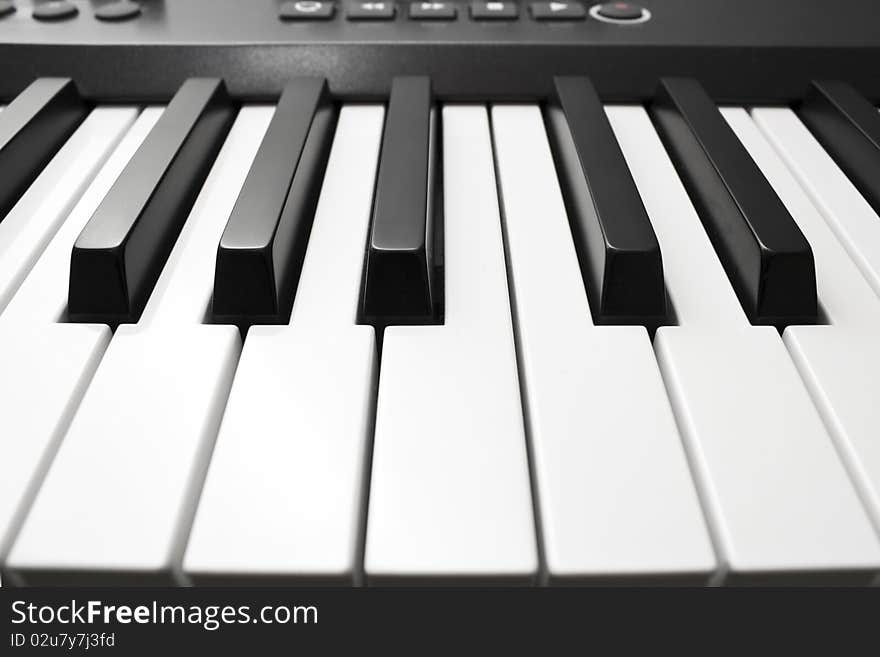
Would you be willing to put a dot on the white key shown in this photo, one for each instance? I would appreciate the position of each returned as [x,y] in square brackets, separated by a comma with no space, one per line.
[32,222]
[615,493]
[284,494]
[856,225]
[840,363]
[449,491]
[183,292]
[118,500]
[778,497]
[47,366]
[841,367]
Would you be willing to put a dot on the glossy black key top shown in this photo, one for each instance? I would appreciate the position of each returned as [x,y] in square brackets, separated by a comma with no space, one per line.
[121,251]
[615,242]
[401,277]
[767,258]
[848,127]
[32,129]
[261,251]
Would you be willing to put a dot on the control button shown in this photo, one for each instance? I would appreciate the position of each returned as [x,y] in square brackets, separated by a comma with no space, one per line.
[370,11]
[121,10]
[6,8]
[56,10]
[426,11]
[620,12]
[558,11]
[306,10]
[489,11]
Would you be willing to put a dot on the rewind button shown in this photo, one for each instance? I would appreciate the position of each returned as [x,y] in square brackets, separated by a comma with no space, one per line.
[370,11]
[432,11]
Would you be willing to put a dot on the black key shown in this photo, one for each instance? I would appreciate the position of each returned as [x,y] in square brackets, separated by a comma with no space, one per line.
[121,251]
[262,248]
[848,127]
[401,281]
[767,258]
[618,251]
[32,129]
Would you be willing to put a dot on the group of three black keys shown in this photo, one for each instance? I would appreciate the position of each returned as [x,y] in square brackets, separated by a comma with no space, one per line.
[120,253]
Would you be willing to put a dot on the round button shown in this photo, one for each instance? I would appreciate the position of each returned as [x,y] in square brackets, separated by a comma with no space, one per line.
[306,10]
[56,10]
[121,10]
[6,8]
[620,12]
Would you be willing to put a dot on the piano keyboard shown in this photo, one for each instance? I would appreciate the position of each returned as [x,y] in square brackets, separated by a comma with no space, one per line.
[414,340]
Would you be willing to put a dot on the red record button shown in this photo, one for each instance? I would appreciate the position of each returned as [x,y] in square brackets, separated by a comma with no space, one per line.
[620,11]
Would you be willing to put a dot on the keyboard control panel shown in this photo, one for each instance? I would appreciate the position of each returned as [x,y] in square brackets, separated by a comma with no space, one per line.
[472,49]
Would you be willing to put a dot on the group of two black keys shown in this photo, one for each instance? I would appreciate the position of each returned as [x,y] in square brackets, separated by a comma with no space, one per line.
[120,253]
